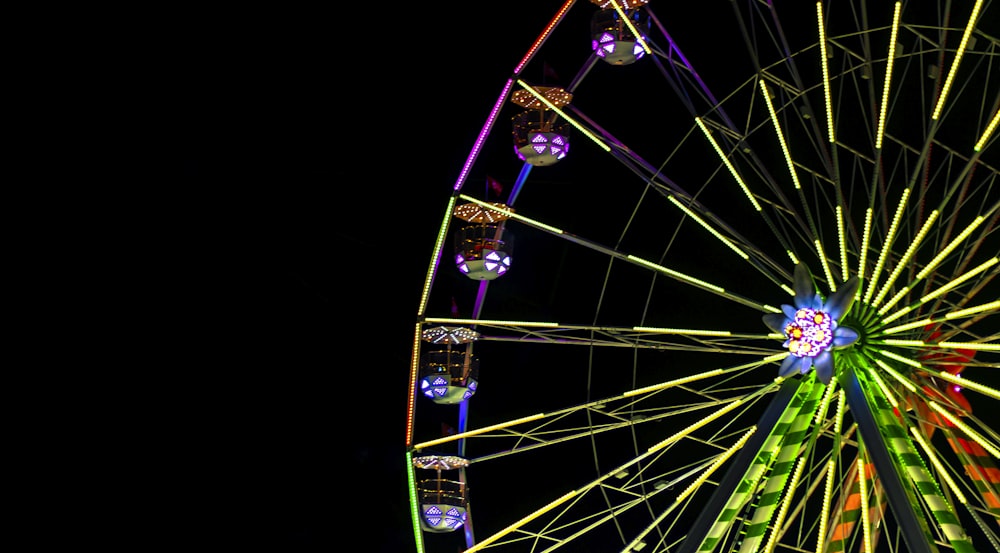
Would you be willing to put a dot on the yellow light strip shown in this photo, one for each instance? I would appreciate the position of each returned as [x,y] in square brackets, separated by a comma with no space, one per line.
[781,137]
[972,310]
[865,239]
[414,372]
[827,499]
[776,357]
[715,466]
[958,58]
[562,114]
[970,345]
[895,299]
[903,261]
[965,428]
[838,423]
[725,161]
[826,74]
[889,237]
[826,265]
[785,502]
[688,331]
[948,249]
[795,260]
[966,383]
[439,242]
[824,403]
[706,374]
[885,389]
[898,314]
[522,522]
[903,342]
[982,267]
[628,23]
[888,76]
[655,523]
[900,358]
[478,431]
[511,215]
[676,382]
[722,411]
[675,274]
[865,524]
[988,132]
[842,241]
[939,466]
[899,378]
[711,230]
[908,326]
[494,322]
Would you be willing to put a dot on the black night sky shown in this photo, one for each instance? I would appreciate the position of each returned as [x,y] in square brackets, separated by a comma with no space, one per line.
[320,148]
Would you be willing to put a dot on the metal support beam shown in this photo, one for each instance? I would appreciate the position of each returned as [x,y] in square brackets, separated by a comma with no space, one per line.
[899,502]
[727,487]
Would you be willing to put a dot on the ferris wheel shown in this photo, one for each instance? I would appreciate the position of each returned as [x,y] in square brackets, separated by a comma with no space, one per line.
[753,300]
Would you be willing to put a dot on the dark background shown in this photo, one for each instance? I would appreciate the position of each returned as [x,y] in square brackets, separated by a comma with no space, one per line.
[319,149]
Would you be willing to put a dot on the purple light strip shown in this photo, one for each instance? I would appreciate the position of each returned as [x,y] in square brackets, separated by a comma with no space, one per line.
[463,412]
[478,146]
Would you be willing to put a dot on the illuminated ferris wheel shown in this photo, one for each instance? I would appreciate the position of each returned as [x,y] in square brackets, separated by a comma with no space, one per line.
[753,302]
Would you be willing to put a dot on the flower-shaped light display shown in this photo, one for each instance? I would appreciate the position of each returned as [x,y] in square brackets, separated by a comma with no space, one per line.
[811,326]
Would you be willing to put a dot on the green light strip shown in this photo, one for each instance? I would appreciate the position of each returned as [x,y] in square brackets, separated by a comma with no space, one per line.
[789,495]
[929,452]
[795,434]
[418,531]
[755,472]
[893,433]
